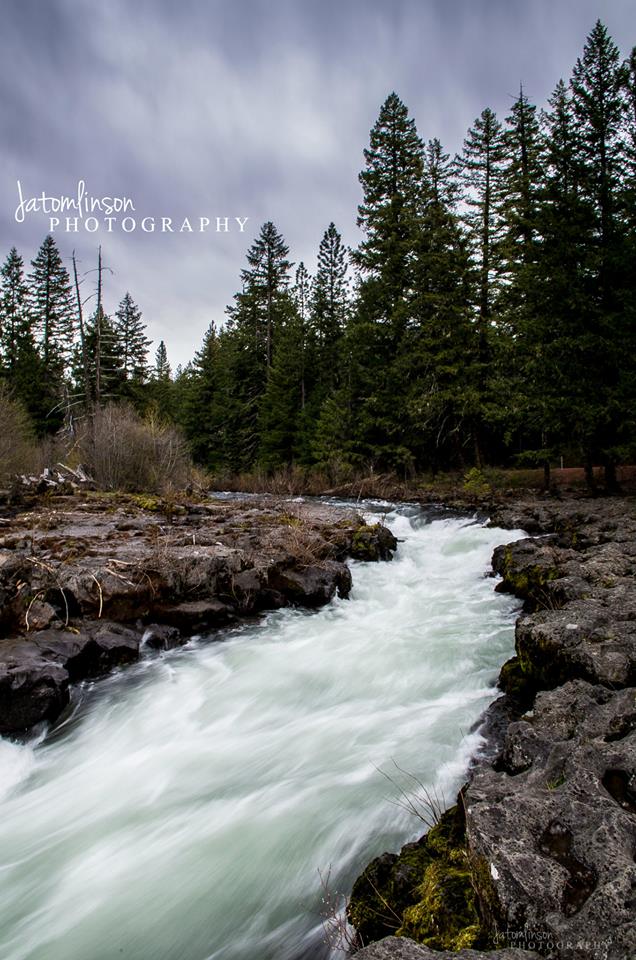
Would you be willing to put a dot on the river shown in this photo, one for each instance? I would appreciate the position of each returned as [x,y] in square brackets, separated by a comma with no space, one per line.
[186,807]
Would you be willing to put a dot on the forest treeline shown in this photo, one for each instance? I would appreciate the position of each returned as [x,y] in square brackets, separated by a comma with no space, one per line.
[488,315]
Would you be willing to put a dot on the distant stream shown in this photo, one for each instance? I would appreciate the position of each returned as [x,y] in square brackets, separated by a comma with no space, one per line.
[184,808]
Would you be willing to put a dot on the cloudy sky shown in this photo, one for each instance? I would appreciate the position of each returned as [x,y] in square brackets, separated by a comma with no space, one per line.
[245,108]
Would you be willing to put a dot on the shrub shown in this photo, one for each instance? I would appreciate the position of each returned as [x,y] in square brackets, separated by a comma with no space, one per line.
[123,451]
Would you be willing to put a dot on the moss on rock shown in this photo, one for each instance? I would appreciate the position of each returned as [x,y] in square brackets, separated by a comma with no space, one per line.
[426,892]
[372,542]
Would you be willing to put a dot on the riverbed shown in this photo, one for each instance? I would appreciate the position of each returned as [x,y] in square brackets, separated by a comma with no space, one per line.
[186,808]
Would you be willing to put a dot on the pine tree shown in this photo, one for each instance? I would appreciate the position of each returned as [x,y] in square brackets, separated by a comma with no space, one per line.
[481,166]
[162,372]
[388,214]
[329,307]
[160,388]
[132,341]
[52,307]
[482,172]
[20,362]
[522,180]
[15,321]
[281,406]
[301,296]
[436,363]
[255,320]
[554,345]
[523,183]
[103,360]
[389,217]
[598,98]
[203,406]
[265,282]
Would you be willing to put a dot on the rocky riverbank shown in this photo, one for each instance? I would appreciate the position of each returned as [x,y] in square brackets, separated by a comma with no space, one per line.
[539,852]
[88,582]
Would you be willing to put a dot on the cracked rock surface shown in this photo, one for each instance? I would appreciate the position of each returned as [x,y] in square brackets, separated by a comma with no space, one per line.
[85,582]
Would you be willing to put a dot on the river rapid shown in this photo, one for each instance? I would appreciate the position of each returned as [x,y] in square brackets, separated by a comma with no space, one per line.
[186,807]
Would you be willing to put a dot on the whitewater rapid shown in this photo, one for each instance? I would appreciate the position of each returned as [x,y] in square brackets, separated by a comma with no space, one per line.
[187,807]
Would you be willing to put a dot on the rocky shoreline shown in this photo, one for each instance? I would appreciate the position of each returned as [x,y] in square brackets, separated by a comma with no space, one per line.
[89,583]
[538,855]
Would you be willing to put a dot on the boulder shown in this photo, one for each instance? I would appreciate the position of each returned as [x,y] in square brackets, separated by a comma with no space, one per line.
[313,585]
[373,542]
[159,636]
[194,615]
[401,948]
[553,824]
[32,689]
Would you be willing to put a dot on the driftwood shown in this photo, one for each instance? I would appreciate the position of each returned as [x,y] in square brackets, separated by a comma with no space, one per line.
[59,478]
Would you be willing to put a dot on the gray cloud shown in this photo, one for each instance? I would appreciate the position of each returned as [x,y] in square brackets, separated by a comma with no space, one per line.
[247,108]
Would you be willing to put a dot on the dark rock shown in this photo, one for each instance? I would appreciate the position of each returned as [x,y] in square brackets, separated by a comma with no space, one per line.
[425,891]
[527,569]
[32,689]
[587,639]
[90,653]
[373,542]
[72,577]
[247,591]
[195,615]
[159,636]
[40,615]
[313,585]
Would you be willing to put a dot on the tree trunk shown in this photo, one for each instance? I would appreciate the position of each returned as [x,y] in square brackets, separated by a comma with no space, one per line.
[612,485]
[589,474]
[546,475]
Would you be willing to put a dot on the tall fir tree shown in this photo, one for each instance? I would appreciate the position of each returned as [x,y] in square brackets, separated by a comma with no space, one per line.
[481,166]
[15,319]
[554,347]
[103,360]
[482,172]
[265,281]
[436,364]
[389,216]
[330,296]
[20,362]
[255,320]
[204,407]
[133,344]
[598,98]
[160,388]
[281,406]
[52,307]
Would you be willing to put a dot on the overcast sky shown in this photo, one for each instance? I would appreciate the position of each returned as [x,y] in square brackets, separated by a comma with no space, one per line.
[245,108]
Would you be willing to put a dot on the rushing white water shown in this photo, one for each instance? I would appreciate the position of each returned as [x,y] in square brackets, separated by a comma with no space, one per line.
[185,809]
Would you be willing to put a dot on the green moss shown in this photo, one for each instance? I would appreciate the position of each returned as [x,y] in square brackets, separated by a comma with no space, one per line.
[147,502]
[364,545]
[427,892]
[445,916]
[556,782]
[287,520]
[529,582]
[516,678]
[385,889]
